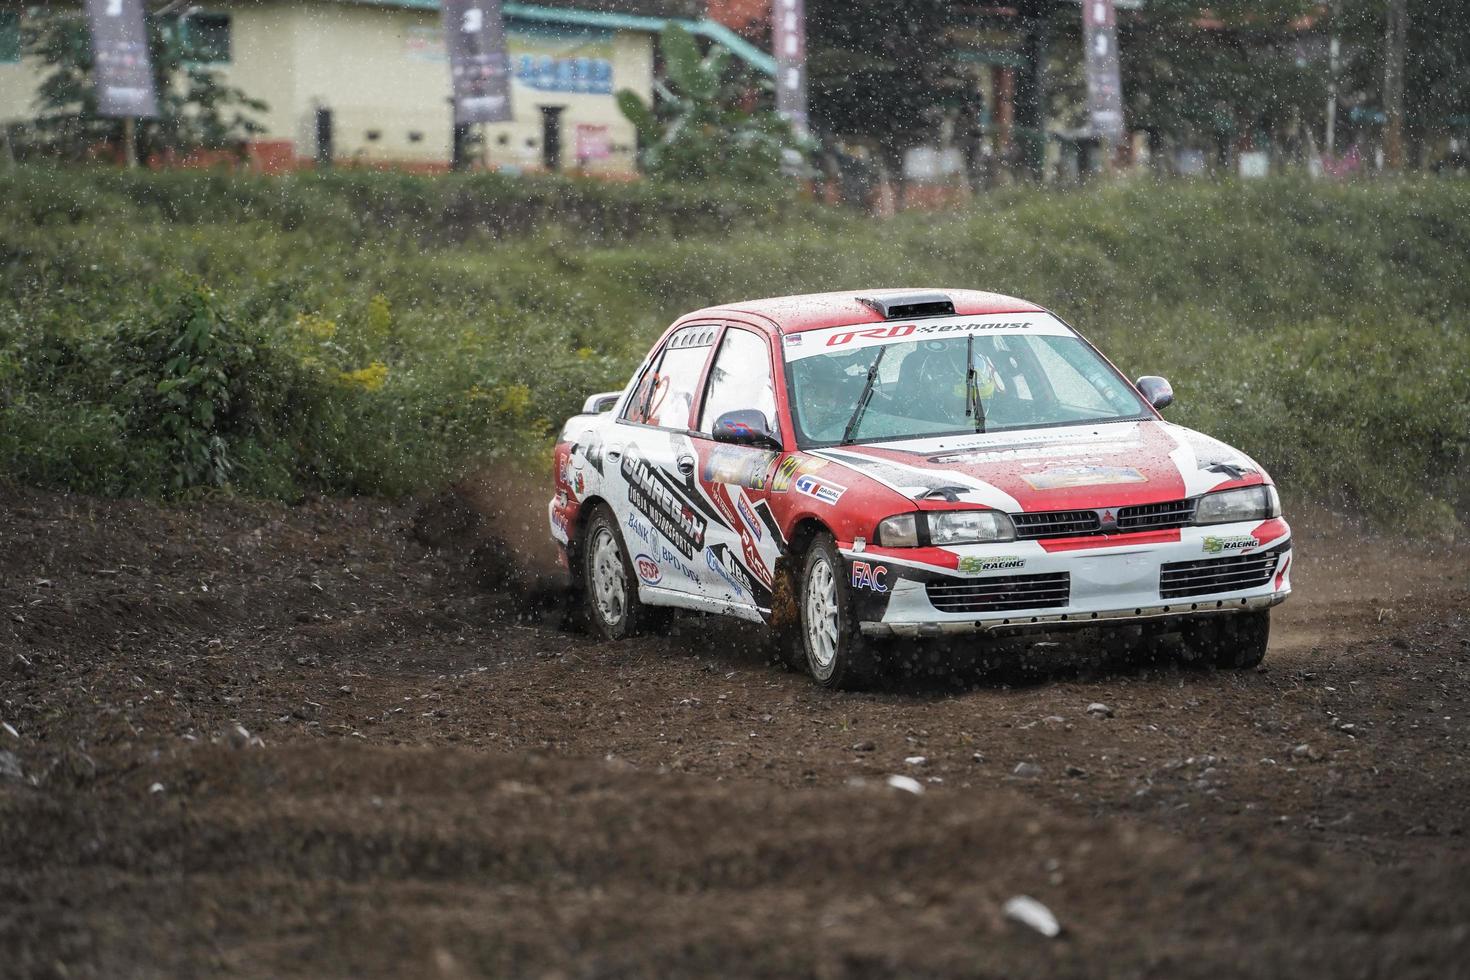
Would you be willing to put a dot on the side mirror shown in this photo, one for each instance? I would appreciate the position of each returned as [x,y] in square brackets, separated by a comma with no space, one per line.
[1156,391]
[745,427]
[599,403]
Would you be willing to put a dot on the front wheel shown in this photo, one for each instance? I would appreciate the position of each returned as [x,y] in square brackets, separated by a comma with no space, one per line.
[608,585]
[837,654]
[1236,641]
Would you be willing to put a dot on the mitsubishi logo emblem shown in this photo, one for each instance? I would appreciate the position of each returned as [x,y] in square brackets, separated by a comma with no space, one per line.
[1107,519]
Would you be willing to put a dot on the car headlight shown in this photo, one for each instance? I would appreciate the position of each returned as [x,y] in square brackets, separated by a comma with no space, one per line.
[946,528]
[1241,504]
[970,527]
[899,532]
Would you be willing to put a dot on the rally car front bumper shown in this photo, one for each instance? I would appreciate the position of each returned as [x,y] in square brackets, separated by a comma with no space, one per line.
[1079,582]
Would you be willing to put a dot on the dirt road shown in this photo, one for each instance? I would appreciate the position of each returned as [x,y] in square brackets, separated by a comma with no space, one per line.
[263,741]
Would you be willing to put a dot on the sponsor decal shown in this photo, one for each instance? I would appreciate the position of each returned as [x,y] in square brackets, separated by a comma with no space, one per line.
[1215,545]
[792,340]
[721,561]
[927,329]
[826,492]
[971,564]
[660,500]
[579,484]
[1063,477]
[670,560]
[748,516]
[587,449]
[559,525]
[648,571]
[639,528]
[870,577]
[792,467]
[741,467]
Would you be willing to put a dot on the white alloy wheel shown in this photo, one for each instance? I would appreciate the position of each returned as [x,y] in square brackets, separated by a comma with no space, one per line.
[609,585]
[821,613]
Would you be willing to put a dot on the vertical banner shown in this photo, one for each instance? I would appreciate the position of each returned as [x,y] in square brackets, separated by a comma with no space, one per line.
[121,70]
[1104,85]
[789,34]
[474,33]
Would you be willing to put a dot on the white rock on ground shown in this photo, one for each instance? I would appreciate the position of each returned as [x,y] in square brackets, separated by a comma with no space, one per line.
[1029,912]
[906,783]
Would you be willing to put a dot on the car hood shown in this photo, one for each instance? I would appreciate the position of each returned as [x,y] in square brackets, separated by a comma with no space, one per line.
[1115,464]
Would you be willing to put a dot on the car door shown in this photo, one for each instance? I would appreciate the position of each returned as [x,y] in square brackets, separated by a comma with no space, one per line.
[742,546]
[651,464]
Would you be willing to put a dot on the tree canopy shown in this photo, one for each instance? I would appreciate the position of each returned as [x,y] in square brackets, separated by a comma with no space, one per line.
[197,110]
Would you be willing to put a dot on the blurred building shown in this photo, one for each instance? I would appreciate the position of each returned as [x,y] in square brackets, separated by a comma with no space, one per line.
[367,81]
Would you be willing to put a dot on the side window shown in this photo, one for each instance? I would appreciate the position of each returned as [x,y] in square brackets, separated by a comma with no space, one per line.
[665,394]
[741,378]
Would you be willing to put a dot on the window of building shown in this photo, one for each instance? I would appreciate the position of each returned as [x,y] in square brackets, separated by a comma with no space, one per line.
[9,37]
[207,38]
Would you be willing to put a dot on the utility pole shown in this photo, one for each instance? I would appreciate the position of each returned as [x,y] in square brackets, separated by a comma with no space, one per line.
[1031,90]
[1393,81]
[130,143]
[1333,50]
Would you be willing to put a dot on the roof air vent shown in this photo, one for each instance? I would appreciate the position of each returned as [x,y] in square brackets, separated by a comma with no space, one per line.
[909,306]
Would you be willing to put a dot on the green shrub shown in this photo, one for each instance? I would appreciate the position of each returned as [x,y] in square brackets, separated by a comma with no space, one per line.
[359,333]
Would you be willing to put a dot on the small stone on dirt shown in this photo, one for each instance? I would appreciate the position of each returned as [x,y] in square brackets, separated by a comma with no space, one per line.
[156,788]
[1029,912]
[863,746]
[1076,772]
[1027,770]
[906,783]
[10,767]
[917,760]
[239,737]
[1099,710]
[1303,751]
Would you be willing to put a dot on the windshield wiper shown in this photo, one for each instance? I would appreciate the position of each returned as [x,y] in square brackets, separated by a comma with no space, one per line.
[863,399]
[973,405]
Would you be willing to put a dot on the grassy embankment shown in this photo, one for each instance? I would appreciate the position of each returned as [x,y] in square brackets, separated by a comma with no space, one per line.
[376,334]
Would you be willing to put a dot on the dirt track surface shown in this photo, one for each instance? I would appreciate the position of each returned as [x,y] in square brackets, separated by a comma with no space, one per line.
[438,781]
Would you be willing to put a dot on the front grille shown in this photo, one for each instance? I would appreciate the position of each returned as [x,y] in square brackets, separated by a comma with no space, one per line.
[1211,575]
[1056,524]
[1152,517]
[1080,523]
[1001,593]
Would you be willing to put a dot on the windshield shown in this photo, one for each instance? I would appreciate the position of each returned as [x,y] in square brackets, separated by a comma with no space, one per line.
[925,387]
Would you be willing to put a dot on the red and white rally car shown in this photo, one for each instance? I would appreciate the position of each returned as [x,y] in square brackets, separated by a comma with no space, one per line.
[852,466]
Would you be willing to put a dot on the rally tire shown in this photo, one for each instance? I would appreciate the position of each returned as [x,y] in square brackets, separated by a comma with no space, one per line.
[1230,642]
[609,588]
[836,653]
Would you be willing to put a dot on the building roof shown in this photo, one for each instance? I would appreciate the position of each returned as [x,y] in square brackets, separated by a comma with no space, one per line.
[683,9]
[634,15]
[792,314]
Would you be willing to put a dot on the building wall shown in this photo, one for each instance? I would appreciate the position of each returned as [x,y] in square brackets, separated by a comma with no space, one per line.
[384,74]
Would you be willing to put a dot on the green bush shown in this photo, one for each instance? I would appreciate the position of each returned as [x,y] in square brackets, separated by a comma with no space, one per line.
[359,333]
